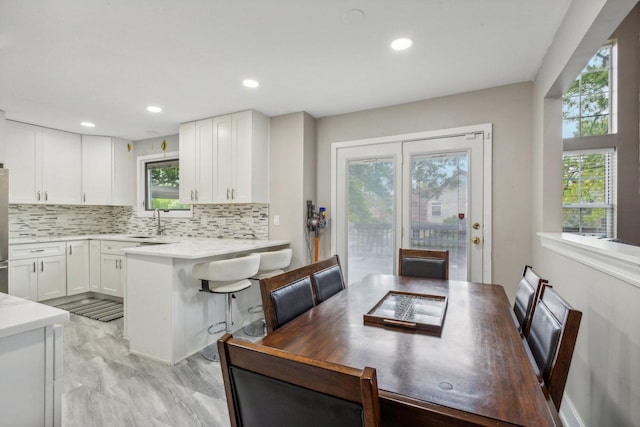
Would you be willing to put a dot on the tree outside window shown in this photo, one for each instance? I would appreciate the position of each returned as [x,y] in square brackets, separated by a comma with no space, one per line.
[163,186]
[587,104]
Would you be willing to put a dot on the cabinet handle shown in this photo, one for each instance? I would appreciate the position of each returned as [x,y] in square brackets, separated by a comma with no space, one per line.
[233,193]
[191,194]
[227,194]
[41,265]
[38,197]
[70,250]
[196,195]
[116,264]
[36,250]
[46,196]
[34,266]
[84,197]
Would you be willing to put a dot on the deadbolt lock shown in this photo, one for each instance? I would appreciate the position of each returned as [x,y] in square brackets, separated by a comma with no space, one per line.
[476,226]
[475,240]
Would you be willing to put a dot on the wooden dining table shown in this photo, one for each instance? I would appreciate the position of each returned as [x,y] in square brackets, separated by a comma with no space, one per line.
[474,371]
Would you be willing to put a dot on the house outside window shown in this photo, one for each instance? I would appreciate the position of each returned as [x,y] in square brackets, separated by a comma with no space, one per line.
[588,104]
[588,193]
[436,209]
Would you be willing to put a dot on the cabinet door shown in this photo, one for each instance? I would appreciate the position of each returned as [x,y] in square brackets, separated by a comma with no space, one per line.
[110,274]
[205,168]
[23,159]
[250,157]
[123,172]
[94,265]
[61,167]
[52,277]
[188,159]
[77,267]
[223,158]
[23,279]
[96,170]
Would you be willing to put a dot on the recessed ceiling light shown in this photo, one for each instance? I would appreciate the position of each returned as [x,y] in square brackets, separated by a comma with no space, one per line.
[88,124]
[250,83]
[401,44]
[154,109]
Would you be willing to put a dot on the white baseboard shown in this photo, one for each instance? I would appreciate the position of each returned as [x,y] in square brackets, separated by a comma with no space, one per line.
[569,415]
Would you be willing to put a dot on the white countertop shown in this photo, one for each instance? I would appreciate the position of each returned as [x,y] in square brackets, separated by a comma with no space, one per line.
[169,246]
[19,315]
[204,248]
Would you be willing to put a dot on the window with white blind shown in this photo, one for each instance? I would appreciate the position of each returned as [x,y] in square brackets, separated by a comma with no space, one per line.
[588,192]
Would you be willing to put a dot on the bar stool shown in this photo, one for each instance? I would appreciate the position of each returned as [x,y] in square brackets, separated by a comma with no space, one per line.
[271,264]
[227,277]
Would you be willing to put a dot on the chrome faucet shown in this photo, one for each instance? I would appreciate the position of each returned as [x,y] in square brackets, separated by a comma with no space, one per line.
[160,227]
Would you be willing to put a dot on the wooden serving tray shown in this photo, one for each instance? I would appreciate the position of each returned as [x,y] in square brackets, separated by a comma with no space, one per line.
[420,312]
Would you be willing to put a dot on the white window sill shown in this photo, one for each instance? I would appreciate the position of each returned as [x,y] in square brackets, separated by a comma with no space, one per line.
[615,259]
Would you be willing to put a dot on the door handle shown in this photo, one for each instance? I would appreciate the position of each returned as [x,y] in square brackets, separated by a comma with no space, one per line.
[38,196]
[41,265]
[475,226]
[475,240]
[70,250]
[34,266]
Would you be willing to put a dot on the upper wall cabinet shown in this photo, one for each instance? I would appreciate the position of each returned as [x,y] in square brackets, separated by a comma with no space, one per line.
[45,165]
[96,170]
[55,167]
[196,162]
[225,159]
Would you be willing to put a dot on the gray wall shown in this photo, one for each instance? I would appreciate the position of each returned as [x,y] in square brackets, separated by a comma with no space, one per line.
[509,109]
[292,180]
[626,140]
[602,389]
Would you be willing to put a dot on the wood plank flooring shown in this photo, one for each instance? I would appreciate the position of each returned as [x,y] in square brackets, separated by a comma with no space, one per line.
[106,386]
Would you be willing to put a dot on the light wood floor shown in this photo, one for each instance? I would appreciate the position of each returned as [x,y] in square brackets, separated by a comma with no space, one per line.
[106,386]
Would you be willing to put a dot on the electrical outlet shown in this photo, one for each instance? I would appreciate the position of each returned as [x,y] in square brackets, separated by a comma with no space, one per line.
[276,220]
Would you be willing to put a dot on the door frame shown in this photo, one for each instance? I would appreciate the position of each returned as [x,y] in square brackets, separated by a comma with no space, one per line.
[485,129]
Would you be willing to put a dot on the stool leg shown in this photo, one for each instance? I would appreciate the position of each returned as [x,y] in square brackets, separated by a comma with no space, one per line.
[210,352]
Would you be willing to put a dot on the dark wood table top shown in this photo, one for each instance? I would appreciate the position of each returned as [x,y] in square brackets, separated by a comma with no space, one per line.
[476,372]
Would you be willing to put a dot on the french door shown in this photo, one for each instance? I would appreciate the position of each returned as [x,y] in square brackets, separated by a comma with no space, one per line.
[424,192]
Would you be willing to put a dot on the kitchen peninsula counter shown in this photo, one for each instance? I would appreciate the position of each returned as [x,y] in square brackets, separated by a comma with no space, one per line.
[166,315]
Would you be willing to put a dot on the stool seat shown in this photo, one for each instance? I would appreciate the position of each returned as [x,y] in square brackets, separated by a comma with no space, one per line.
[227,277]
[271,264]
[232,287]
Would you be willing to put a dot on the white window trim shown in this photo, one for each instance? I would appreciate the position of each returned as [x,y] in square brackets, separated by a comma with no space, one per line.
[140,185]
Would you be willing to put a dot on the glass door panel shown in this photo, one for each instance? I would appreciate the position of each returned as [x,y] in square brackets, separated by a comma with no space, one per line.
[438,204]
[371,217]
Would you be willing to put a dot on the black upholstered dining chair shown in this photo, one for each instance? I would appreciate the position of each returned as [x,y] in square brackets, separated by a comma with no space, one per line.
[429,264]
[527,294]
[327,280]
[551,341]
[268,387]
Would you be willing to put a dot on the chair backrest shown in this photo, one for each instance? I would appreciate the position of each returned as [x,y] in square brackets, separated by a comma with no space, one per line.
[527,294]
[429,264]
[552,339]
[265,386]
[286,296]
[328,280]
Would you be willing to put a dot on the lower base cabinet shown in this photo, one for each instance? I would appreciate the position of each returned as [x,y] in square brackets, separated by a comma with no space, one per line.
[38,279]
[112,274]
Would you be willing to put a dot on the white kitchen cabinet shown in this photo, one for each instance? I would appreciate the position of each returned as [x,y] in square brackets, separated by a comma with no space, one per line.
[112,274]
[196,162]
[94,265]
[96,170]
[23,278]
[45,165]
[23,159]
[78,267]
[241,144]
[113,264]
[38,271]
[31,365]
[123,172]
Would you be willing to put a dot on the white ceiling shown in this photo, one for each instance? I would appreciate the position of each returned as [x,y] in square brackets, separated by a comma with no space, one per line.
[67,61]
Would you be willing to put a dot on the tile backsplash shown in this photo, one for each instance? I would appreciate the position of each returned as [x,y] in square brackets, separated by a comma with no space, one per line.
[242,221]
